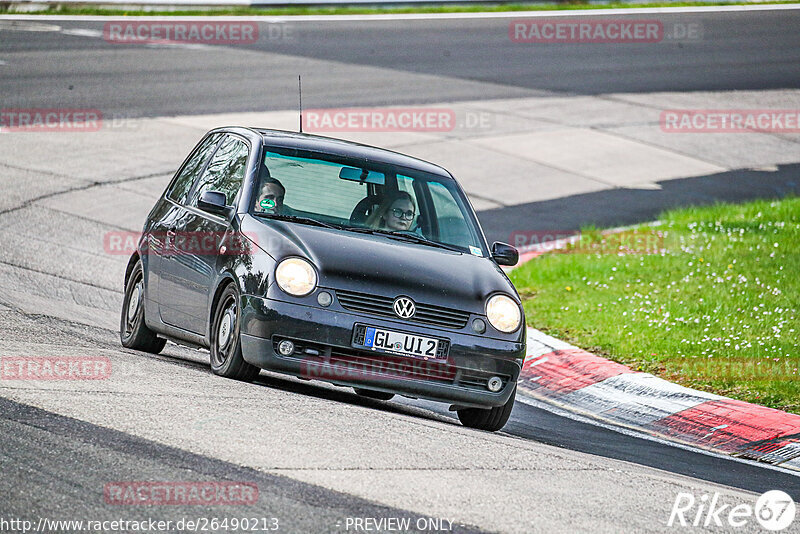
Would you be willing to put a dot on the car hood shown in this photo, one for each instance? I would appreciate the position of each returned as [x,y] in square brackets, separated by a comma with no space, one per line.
[383,266]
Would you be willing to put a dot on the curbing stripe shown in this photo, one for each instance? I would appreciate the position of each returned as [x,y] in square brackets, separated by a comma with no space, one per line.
[583,383]
[637,399]
[566,371]
[728,425]
[792,464]
[548,341]
[774,451]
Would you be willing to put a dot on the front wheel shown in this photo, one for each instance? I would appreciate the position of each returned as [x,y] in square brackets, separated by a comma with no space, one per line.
[491,419]
[226,348]
[133,332]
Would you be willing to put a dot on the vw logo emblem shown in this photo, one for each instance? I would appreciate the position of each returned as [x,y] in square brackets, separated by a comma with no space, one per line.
[404,307]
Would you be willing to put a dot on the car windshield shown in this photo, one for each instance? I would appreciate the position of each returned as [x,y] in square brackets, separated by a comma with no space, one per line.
[354,195]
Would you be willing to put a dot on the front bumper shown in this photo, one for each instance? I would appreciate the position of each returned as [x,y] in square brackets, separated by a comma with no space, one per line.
[324,339]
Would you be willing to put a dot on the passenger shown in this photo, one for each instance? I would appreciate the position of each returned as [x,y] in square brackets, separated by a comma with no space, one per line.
[395,212]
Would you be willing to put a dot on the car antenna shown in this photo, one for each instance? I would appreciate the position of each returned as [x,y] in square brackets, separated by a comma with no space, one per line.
[300,94]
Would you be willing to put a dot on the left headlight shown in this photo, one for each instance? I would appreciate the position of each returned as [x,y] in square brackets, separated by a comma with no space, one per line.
[296,276]
[503,313]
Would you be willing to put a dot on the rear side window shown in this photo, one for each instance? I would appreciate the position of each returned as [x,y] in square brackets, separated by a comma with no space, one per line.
[225,172]
[183,183]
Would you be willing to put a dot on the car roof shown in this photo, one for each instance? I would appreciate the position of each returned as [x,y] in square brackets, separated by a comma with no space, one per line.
[318,143]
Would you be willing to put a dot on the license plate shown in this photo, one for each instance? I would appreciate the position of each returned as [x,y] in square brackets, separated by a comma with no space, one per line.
[382,340]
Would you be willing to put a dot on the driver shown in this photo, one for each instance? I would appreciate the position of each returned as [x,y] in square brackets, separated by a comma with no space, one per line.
[270,196]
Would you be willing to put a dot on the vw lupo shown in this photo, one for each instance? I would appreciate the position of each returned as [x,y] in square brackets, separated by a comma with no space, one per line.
[329,260]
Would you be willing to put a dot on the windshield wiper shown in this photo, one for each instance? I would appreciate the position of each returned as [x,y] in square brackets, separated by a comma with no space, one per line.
[425,241]
[297,219]
[408,236]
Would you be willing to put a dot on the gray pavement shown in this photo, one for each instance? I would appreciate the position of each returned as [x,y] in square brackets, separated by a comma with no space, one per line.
[392,62]
[34,479]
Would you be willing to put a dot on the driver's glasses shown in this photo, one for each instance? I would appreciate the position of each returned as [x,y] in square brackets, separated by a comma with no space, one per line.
[406,215]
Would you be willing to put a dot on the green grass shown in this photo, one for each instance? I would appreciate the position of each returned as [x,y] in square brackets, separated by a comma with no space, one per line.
[356,10]
[714,308]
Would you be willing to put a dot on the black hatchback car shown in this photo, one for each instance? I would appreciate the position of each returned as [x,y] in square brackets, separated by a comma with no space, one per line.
[329,260]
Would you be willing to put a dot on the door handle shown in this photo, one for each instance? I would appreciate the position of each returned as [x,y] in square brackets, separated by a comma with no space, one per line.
[169,242]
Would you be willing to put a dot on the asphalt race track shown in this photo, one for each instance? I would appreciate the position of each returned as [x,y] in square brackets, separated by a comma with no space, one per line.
[389,63]
[319,455]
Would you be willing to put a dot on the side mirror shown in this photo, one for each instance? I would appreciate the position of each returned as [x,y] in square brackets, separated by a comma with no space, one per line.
[504,254]
[213,202]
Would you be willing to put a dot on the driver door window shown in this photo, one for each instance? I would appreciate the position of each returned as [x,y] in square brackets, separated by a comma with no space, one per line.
[225,172]
[180,188]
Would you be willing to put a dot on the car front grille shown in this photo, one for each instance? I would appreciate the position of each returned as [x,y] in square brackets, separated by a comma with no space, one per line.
[384,307]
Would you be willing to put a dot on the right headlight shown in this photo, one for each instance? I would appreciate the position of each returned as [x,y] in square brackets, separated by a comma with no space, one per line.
[296,276]
[503,313]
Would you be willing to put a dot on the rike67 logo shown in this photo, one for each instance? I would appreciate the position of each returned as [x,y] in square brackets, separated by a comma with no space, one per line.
[774,510]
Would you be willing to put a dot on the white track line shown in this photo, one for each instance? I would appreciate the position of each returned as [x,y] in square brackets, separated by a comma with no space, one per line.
[78,32]
[430,16]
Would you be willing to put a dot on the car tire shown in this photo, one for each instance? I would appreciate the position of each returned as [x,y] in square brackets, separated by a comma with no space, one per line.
[226,347]
[491,419]
[133,332]
[372,394]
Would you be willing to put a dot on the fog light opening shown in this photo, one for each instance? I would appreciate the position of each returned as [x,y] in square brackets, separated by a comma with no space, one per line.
[286,347]
[479,326]
[494,384]
[324,298]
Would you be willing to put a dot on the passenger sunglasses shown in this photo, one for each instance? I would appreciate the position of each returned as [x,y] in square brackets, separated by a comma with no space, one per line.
[400,214]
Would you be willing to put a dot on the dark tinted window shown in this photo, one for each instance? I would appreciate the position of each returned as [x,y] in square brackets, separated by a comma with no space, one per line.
[225,172]
[192,169]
